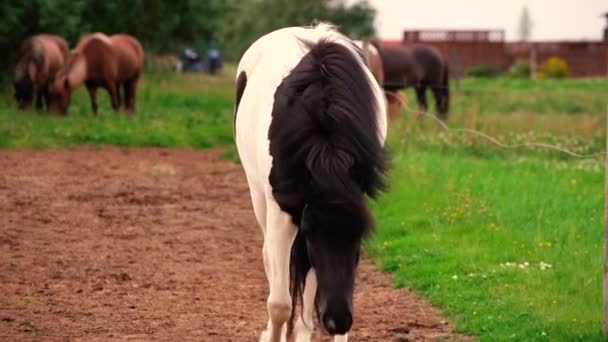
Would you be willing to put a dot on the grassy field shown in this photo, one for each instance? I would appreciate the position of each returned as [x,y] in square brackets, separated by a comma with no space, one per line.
[507,241]
[189,111]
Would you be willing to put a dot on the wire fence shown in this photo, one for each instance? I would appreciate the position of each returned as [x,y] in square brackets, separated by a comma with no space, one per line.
[494,140]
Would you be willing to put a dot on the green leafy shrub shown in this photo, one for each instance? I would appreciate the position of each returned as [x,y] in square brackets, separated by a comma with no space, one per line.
[554,67]
[520,69]
[483,71]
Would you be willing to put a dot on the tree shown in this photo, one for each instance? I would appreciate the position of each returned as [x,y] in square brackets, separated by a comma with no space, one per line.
[525,25]
[356,21]
[166,25]
[248,20]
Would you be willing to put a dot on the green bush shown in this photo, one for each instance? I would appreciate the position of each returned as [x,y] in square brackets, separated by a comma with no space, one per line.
[483,71]
[554,67]
[520,69]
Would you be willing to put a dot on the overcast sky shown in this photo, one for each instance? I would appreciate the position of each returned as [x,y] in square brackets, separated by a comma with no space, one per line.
[553,19]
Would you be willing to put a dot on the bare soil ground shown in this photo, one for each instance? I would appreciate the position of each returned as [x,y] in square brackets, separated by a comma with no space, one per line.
[152,244]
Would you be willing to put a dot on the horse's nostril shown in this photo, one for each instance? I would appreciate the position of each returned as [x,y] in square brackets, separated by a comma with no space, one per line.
[337,324]
[330,325]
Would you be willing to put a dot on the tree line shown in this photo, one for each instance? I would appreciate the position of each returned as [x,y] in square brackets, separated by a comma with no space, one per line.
[165,26]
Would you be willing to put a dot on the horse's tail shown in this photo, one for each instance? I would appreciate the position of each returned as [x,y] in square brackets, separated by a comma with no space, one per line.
[330,132]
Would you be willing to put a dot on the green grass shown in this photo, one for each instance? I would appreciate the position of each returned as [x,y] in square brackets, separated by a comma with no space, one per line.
[172,111]
[451,221]
[462,214]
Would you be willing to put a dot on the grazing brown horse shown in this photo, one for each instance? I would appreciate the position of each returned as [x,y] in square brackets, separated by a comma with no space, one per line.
[373,60]
[417,66]
[39,59]
[395,100]
[100,61]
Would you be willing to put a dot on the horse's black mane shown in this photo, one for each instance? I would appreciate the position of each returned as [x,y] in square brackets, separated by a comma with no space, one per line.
[324,140]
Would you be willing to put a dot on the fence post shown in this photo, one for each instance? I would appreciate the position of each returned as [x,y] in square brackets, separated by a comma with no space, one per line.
[606,231]
[533,61]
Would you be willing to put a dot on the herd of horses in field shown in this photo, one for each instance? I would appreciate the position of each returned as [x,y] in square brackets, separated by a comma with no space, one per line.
[48,71]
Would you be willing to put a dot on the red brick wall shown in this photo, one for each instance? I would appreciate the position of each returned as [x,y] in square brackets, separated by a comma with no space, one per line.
[466,48]
[585,59]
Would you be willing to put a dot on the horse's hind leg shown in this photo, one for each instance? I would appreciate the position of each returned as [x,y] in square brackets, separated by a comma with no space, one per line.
[305,324]
[421,96]
[114,94]
[279,237]
[441,101]
[92,89]
[130,88]
[259,208]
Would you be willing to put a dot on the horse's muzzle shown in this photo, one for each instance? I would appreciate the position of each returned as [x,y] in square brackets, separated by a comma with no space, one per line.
[337,321]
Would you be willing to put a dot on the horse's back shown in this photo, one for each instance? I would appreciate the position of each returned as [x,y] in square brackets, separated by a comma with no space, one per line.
[268,64]
[400,68]
[44,51]
[276,53]
[55,53]
[431,61]
[265,65]
[130,55]
[100,59]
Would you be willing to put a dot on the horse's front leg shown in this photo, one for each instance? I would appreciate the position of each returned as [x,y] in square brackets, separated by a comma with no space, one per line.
[305,324]
[280,234]
[39,94]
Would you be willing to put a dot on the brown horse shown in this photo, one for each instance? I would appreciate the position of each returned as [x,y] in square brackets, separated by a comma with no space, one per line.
[373,59]
[39,59]
[417,66]
[100,61]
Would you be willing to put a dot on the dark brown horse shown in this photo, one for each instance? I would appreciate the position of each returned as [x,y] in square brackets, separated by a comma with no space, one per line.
[395,100]
[100,61]
[420,67]
[373,60]
[39,59]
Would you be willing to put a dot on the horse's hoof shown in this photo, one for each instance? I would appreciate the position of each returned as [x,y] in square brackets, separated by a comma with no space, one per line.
[266,337]
[302,332]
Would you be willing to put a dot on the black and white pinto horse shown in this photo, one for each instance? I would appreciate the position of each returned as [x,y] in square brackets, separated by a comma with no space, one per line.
[310,125]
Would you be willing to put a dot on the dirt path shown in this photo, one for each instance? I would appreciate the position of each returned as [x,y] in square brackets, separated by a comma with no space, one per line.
[151,244]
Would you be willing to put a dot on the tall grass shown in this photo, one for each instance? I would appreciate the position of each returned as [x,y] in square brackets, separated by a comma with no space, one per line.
[508,242]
